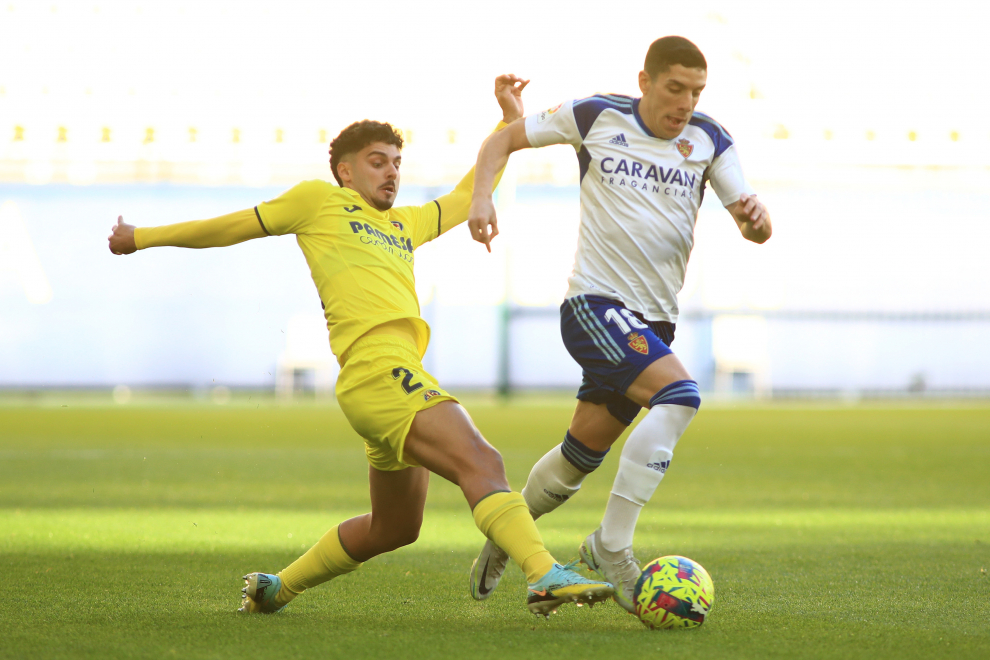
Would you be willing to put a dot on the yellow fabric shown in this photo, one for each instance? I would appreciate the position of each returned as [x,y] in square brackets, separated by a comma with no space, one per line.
[226,230]
[324,561]
[381,387]
[361,259]
[505,519]
[401,328]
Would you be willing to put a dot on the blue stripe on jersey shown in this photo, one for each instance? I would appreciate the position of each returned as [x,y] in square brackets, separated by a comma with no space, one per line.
[584,162]
[719,135]
[586,111]
[680,393]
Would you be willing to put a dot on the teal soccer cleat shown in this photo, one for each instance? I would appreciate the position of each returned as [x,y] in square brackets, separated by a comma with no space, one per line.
[258,594]
[562,584]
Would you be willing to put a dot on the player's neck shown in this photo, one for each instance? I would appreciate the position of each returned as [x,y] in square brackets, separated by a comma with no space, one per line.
[645,112]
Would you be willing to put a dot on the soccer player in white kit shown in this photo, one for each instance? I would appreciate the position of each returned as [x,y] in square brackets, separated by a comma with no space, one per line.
[644,163]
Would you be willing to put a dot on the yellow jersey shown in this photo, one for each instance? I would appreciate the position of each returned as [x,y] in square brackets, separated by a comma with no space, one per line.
[361,259]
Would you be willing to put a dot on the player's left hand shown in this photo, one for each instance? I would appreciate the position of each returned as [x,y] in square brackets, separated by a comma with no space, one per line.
[508,91]
[122,237]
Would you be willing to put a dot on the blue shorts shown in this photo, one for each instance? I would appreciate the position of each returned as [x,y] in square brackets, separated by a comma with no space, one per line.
[613,345]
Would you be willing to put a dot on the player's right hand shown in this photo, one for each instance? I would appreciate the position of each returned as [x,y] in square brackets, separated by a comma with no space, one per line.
[122,237]
[480,218]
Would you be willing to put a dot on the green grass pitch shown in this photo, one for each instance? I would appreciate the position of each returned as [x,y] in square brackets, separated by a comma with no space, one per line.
[841,532]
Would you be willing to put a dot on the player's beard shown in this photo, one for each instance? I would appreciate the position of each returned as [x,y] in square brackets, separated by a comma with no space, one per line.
[381,204]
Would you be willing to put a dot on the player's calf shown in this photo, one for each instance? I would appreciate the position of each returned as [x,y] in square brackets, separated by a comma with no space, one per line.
[558,475]
[553,480]
[645,459]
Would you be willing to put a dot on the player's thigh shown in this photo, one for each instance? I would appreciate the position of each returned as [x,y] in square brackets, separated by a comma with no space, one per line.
[655,377]
[594,426]
[381,388]
[444,440]
[398,498]
[625,358]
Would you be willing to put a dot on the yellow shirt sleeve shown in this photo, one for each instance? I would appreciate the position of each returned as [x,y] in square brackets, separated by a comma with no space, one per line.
[216,232]
[294,210]
[444,213]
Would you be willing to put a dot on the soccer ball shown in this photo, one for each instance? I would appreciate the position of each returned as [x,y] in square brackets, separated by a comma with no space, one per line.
[674,592]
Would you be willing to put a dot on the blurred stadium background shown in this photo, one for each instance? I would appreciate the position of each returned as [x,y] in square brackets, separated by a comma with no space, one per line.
[862,126]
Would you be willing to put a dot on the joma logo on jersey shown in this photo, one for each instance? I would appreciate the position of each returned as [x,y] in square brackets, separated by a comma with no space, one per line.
[400,242]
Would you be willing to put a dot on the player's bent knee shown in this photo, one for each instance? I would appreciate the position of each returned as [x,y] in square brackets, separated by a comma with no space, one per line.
[679,393]
[400,535]
[492,459]
[405,537]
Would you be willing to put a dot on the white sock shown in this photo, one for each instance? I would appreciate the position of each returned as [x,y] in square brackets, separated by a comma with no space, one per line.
[644,461]
[552,481]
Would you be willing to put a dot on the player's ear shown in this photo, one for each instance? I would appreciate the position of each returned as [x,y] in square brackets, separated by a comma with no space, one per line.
[344,170]
[644,81]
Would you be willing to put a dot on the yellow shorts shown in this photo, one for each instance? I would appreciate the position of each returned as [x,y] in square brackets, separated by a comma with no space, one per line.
[381,387]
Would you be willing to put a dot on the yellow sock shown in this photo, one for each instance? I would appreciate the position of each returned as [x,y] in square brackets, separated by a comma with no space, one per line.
[324,561]
[506,520]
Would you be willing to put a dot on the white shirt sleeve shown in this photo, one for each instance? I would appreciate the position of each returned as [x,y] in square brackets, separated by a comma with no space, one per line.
[554,126]
[727,177]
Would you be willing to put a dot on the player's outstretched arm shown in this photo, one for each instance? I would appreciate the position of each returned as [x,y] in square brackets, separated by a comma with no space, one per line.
[216,232]
[494,156]
[456,204]
[752,218]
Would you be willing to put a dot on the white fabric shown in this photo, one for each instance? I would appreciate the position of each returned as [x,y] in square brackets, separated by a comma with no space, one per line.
[643,463]
[640,197]
[619,523]
[552,481]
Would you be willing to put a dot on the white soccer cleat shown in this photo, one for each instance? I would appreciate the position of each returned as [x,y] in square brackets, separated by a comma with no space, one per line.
[487,570]
[620,568]
[258,594]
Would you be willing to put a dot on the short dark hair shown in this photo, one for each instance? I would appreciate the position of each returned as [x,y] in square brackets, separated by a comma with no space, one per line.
[667,51]
[356,137]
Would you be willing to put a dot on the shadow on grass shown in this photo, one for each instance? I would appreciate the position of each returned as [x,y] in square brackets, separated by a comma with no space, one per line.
[414,604]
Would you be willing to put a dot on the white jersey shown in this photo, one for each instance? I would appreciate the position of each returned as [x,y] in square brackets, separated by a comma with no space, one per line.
[640,196]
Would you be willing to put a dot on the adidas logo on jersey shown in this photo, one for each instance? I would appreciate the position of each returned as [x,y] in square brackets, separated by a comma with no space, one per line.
[619,139]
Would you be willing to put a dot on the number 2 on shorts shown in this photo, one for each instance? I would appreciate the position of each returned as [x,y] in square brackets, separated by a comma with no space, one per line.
[407,385]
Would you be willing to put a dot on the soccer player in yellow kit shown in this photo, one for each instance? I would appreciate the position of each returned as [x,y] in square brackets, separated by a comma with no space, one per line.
[360,252]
